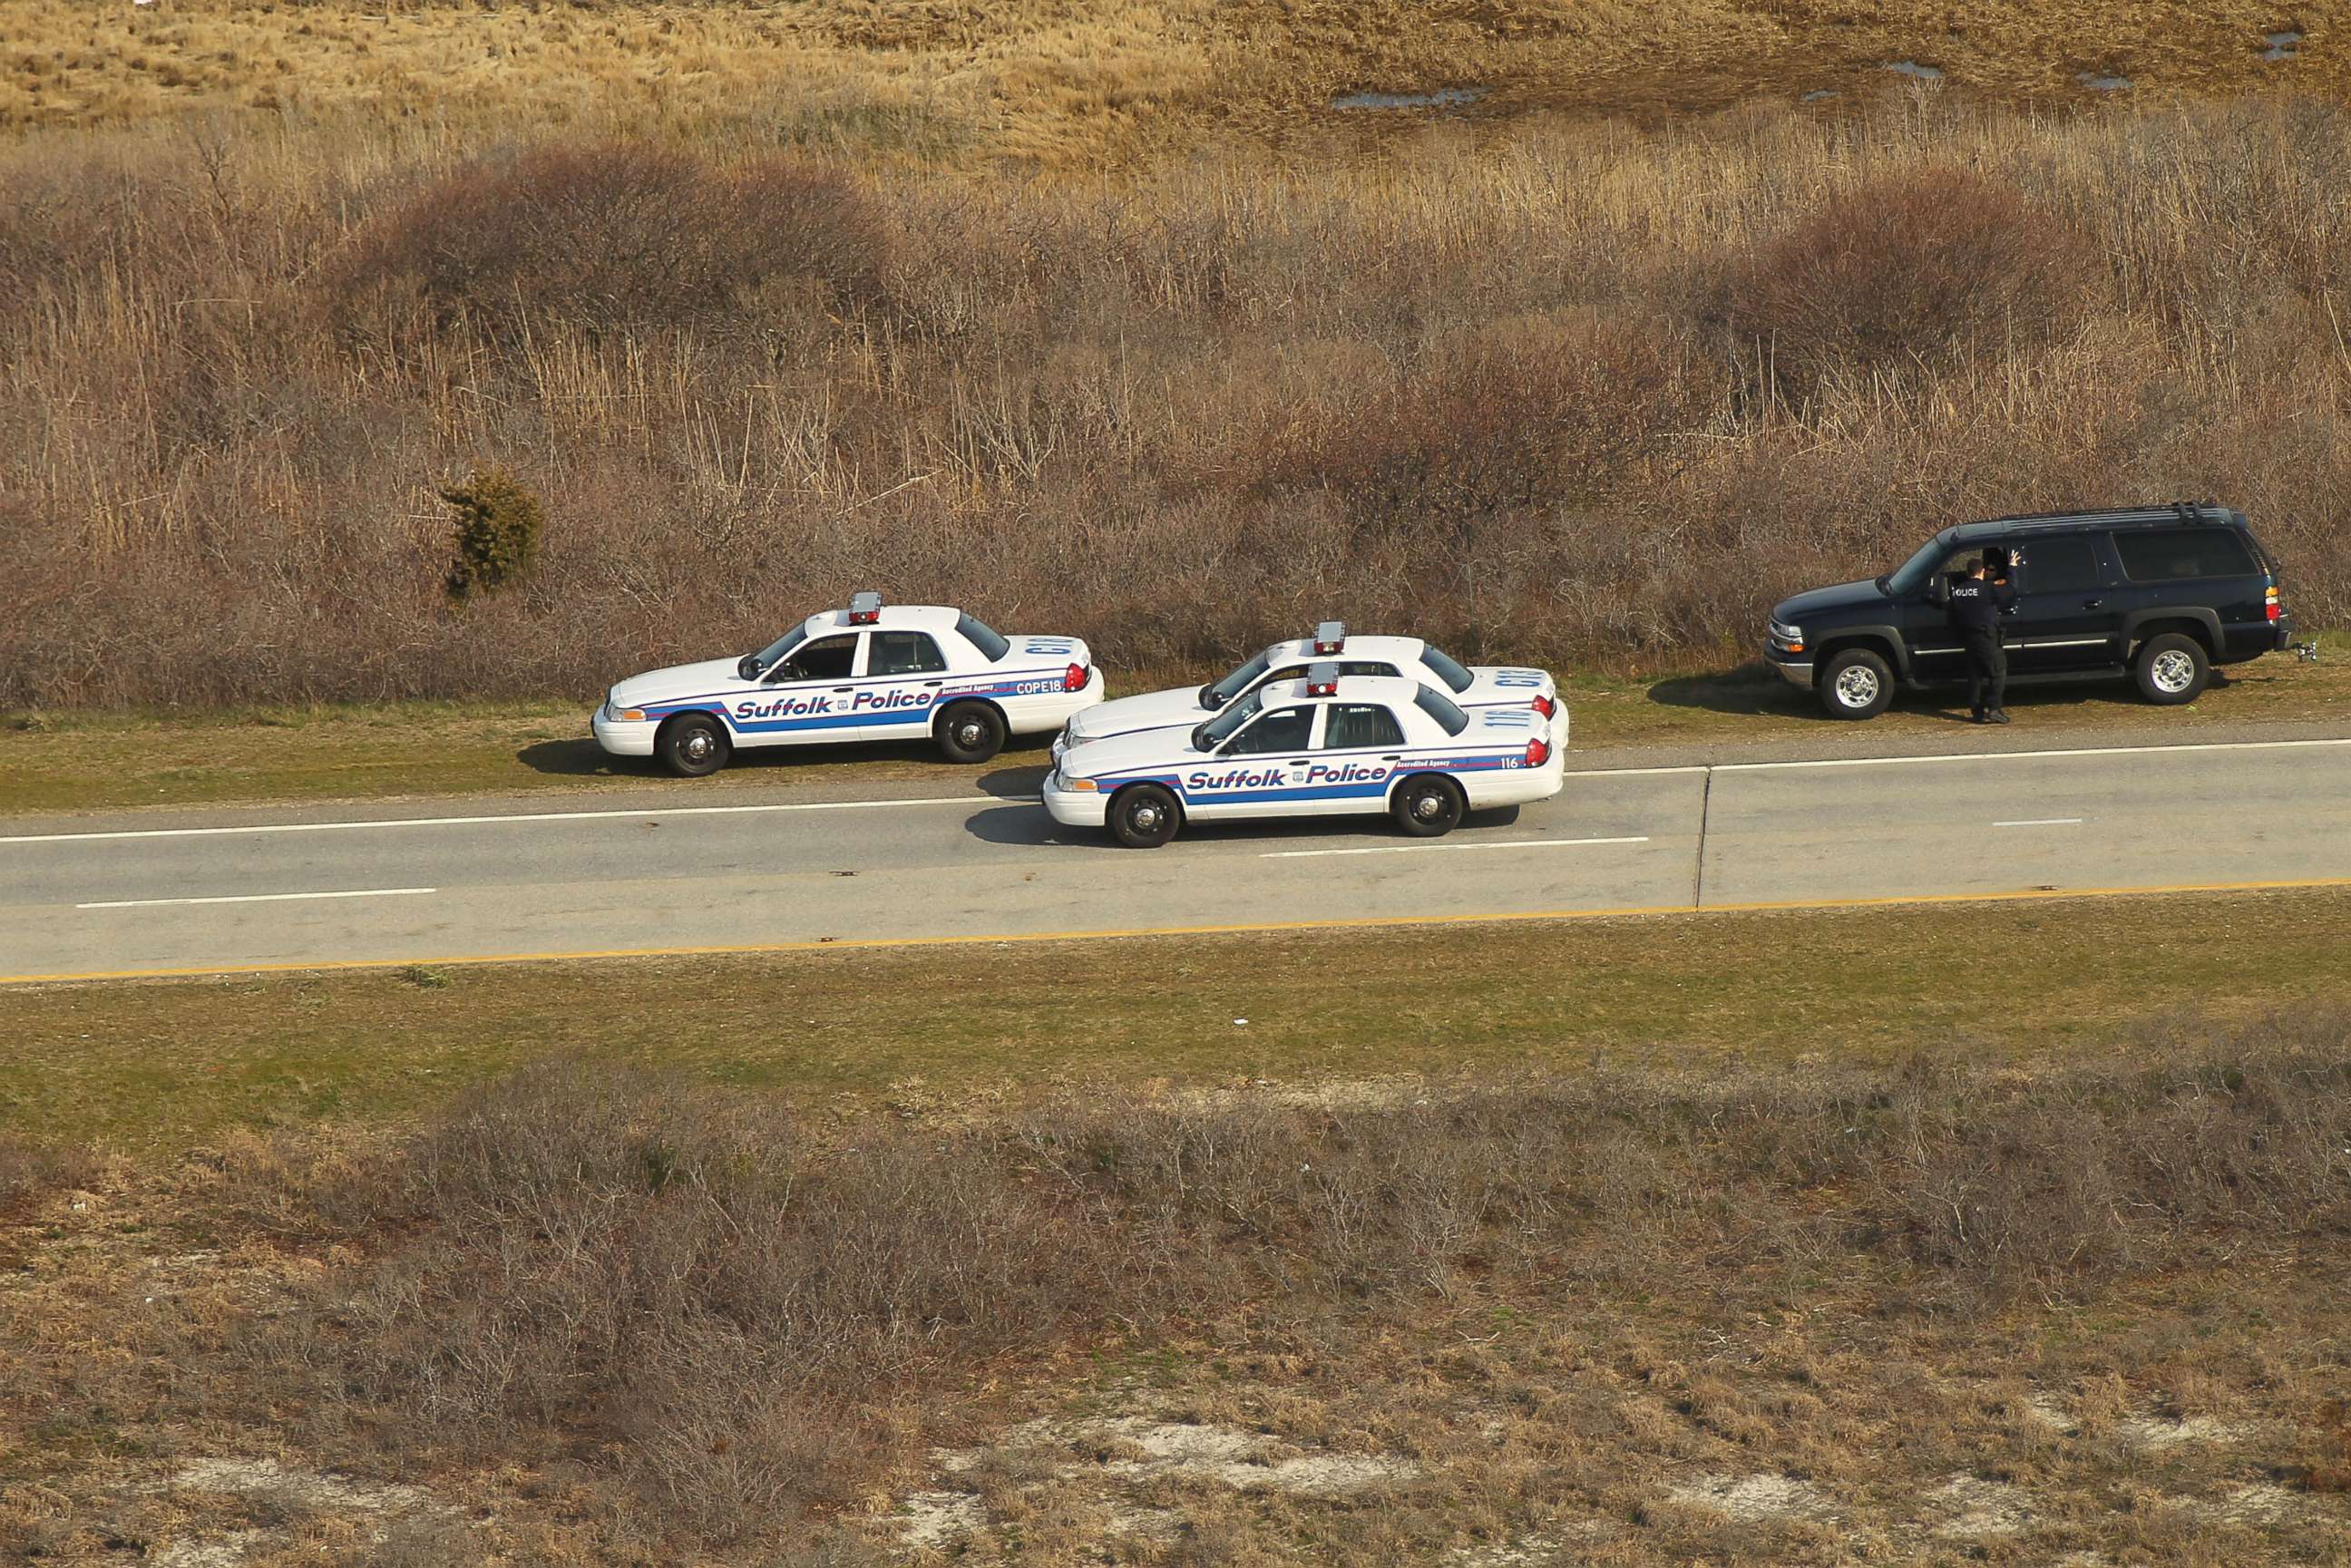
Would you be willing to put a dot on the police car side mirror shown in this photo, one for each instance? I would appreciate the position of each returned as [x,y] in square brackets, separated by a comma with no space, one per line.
[1210,697]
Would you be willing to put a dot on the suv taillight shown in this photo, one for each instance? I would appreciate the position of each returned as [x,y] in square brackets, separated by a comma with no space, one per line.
[2269,606]
[1538,753]
[1074,679]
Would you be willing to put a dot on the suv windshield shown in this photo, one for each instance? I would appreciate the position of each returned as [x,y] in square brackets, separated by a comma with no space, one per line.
[753,665]
[1220,729]
[1436,707]
[986,639]
[1230,686]
[1451,673]
[1911,576]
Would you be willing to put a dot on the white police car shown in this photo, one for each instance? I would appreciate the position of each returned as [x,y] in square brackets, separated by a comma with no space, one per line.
[866,673]
[1469,686]
[1329,745]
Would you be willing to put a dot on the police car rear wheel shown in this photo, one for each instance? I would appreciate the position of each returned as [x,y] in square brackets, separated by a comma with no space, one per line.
[2171,669]
[1427,808]
[971,732]
[1856,685]
[1143,816]
[692,746]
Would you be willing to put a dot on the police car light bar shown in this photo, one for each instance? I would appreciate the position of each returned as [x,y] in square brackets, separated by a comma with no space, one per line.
[1322,680]
[865,609]
[1330,636]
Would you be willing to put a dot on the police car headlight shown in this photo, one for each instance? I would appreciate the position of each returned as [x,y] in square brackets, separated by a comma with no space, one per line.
[619,715]
[1083,785]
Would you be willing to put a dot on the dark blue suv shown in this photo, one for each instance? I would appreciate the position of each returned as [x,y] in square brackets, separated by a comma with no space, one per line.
[2157,594]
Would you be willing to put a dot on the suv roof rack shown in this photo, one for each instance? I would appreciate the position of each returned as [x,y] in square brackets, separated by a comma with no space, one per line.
[2178,512]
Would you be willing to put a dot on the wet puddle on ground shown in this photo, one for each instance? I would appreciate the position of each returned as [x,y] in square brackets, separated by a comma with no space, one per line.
[2282,46]
[2100,82]
[1913,69]
[1442,98]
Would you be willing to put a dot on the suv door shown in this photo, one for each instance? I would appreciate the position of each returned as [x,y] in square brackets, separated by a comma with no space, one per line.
[901,688]
[1936,656]
[2208,568]
[2068,613]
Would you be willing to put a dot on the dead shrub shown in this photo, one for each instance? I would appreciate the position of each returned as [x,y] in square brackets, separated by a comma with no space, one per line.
[1908,271]
[609,237]
[31,1171]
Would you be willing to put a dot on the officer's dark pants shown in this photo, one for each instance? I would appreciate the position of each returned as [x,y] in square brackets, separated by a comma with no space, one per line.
[1987,666]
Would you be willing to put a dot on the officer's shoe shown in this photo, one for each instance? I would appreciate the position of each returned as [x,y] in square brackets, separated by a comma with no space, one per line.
[1976,716]
[1996,715]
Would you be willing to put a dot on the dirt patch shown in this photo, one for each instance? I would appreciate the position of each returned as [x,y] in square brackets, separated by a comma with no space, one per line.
[1971,1507]
[938,1519]
[268,1479]
[1763,1496]
[2165,1432]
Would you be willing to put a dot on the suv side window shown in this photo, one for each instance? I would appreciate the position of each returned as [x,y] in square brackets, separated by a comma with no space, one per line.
[2068,564]
[1354,725]
[2175,555]
[1286,729]
[903,654]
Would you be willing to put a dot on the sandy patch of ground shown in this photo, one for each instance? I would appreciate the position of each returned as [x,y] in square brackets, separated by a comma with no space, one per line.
[1760,1496]
[1968,1507]
[304,1489]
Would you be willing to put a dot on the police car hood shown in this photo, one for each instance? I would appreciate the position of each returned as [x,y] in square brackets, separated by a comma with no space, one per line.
[1151,710]
[696,680]
[1828,601]
[1137,748]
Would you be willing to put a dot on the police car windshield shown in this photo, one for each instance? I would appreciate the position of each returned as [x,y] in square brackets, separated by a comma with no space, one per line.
[1912,574]
[1451,673]
[982,636]
[1440,709]
[766,657]
[1230,686]
[1220,729]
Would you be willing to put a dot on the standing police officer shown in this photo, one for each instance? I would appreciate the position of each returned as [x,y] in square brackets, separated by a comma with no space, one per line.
[1978,602]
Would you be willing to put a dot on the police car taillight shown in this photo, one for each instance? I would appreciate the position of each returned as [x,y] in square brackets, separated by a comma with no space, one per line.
[1330,637]
[865,609]
[1538,753]
[2269,606]
[1074,679]
[1544,706]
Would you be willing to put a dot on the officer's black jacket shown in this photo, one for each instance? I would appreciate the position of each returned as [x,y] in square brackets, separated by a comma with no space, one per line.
[1978,603]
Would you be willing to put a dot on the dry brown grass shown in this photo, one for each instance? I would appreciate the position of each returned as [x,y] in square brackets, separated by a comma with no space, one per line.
[1481,388]
[612,1317]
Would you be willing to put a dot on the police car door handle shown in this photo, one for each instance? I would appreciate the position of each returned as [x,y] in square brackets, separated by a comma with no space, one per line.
[1298,762]
[1393,757]
[844,688]
[934,682]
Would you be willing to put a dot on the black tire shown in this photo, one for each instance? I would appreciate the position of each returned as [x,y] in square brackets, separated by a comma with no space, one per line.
[692,746]
[1856,683]
[1427,806]
[1144,816]
[969,732]
[2171,669]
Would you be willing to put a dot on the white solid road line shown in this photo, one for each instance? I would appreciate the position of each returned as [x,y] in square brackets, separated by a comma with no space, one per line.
[260,898]
[978,801]
[1416,848]
[2042,822]
[513,817]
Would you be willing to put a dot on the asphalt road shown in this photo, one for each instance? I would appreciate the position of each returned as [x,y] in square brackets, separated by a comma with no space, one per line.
[254,889]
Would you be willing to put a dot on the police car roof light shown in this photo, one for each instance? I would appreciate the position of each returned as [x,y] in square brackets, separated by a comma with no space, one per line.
[1330,636]
[865,609]
[1322,680]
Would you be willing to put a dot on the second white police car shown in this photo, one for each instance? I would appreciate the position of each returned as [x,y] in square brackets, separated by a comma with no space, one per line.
[1329,745]
[1469,686]
[867,673]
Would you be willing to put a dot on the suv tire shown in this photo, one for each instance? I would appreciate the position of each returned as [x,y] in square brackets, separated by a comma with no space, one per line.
[1858,684]
[2171,669]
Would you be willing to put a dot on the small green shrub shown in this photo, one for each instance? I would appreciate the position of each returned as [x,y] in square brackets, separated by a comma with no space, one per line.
[498,524]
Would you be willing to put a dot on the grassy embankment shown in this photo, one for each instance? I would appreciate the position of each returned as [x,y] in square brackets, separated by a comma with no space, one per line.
[96,761]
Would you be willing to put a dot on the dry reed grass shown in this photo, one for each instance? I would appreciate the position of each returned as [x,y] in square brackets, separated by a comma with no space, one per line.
[1487,389]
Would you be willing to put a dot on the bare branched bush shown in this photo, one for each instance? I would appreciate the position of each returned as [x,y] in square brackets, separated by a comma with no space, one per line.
[1911,271]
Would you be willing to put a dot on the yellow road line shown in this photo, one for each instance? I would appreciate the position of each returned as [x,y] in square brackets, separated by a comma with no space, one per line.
[829,944]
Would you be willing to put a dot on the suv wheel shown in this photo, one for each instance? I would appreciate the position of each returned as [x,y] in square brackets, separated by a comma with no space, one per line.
[1856,685]
[2171,669]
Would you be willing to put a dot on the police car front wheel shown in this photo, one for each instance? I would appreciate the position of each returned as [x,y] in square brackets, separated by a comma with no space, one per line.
[1427,807]
[971,732]
[1143,816]
[693,745]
